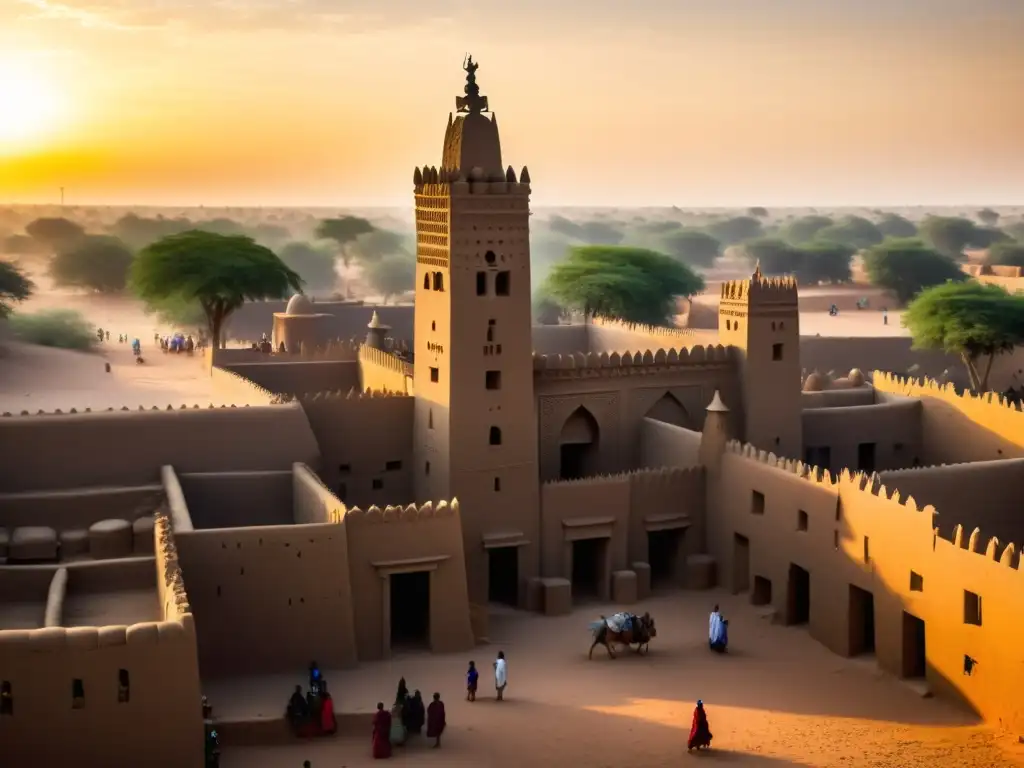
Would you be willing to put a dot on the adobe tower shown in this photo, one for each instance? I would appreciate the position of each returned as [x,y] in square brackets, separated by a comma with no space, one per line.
[475,427]
[761,318]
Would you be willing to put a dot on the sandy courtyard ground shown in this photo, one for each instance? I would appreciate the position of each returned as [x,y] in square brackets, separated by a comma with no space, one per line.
[778,699]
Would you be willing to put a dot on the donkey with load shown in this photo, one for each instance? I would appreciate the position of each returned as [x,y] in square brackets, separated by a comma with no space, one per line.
[623,629]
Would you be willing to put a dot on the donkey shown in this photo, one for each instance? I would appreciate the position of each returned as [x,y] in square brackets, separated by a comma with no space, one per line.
[639,634]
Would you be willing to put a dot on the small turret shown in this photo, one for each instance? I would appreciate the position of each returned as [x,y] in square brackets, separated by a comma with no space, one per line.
[376,332]
[715,436]
[524,177]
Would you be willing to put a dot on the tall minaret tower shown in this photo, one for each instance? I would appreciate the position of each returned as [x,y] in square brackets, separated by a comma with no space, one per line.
[476,429]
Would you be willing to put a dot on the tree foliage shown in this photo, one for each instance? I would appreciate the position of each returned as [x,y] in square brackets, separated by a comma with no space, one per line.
[14,287]
[314,264]
[948,235]
[545,308]
[691,246]
[970,319]
[633,284]
[988,217]
[894,225]
[139,231]
[179,312]
[906,266]
[735,230]
[1015,230]
[852,231]
[344,230]
[810,264]
[61,328]
[1008,254]
[803,230]
[378,244]
[54,233]
[391,274]
[220,272]
[21,245]
[758,211]
[95,262]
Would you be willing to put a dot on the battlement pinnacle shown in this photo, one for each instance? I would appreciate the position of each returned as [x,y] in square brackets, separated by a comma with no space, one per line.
[716,405]
[472,102]
[758,275]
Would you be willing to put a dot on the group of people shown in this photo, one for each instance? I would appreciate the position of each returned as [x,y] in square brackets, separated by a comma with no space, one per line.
[312,714]
[177,343]
[406,718]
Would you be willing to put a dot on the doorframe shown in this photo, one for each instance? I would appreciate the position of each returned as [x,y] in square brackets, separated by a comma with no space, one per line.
[680,525]
[388,568]
[579,529]
[516,540]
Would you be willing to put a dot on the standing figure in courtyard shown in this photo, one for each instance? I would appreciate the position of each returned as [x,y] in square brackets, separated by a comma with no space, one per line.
[718,632]
[472,677]
[398,731]
[500,675]
[415,714]
[700,731]
[381,733]
[436,720]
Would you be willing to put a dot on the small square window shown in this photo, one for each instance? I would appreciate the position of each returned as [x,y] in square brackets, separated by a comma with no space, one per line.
[801,520]
[481,283]
[378,484]
[77,693]
[393,466]
[344,469]
[916,582]
[776,351]
[502,283]
[492,380]
[435,375]
[757,503]
[426,468]
[497,484]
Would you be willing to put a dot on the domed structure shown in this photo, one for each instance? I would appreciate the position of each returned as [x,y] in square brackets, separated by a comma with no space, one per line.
[856,377]
[815,382]
[299,304]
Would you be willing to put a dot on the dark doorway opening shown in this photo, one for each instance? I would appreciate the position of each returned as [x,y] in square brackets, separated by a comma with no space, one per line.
[503,575]
[914,658]
[741,565]
[410,610]
[798,597]
[818,456]
[663,549]
[587,567]
[862,621]
[578,445]
[866,457]
[762,594]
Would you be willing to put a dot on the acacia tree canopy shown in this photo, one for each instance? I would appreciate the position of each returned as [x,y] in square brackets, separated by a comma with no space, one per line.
[970,319]
[691,246]
[344,230]
[97,262]
[948,235]
[54,232]
[315,265]
[14,287]
[735,230]
[633,284]
[811,263]
[802,230]
[906,266]
[220,272]
[852,231]
[894,225]
[1008,254]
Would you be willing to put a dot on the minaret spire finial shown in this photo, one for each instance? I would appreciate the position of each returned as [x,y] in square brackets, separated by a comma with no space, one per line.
[757,270]
[472,102]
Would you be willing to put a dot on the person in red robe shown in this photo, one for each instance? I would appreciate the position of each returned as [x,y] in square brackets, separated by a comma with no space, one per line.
[700,733]
[435,720]
[328,723]
[381,733]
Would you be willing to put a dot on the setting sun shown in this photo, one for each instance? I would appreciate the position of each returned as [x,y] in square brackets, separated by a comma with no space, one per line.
[30,104]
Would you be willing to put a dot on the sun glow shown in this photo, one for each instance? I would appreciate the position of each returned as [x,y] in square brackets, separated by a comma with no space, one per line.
[30,105]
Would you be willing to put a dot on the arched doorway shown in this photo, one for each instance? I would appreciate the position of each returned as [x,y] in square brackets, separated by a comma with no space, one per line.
[578,444]
[669,410]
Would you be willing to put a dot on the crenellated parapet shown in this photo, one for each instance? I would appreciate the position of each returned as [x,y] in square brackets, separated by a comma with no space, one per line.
[431,181]
[385,359]
[352,394]
[650,475]
[126,409]
[171,583]
[678,337]
[396,514]
[759,290]
[589,364]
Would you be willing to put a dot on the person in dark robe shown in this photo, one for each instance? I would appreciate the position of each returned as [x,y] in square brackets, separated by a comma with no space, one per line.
[298,709]
[415,714]
[700,732]
[381,733]
[436,720]
[472,678]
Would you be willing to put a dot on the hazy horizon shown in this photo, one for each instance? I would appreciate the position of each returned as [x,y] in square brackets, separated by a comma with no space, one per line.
[314,103]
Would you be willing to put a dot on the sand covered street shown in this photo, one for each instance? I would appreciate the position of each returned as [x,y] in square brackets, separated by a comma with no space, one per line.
[778,699]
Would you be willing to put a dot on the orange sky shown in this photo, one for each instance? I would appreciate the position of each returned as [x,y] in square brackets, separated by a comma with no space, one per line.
[734,102]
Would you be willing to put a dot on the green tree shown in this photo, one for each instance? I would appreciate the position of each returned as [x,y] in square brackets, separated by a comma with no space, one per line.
[376,245]
[61,328]
[22,245]
[776,257]
[1007,254]
[852,231]
[735,230]
[545,308]
[894,225]
[601,233]
[970,319]
[560,225]
[14,287]
[988,217]
[692,247]
[824,263]
[906,266]
[758,211]
[138,231]
[315,265]
[802,230]
[344,230]
[391,274]
[949,235]
[633,284]
[220,272]
[54,233]
[179,312]
[545,252]
[1015,230]
[96,262]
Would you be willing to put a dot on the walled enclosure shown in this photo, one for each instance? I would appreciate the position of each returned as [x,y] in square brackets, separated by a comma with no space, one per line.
[296,377]
[383,371]
[284,588]
[160,719]
[347,320]
[849,532]
[127,448]
[78,508]
[892,428]
[238,499]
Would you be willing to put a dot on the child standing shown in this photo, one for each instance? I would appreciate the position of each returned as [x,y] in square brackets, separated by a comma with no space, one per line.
[471,680]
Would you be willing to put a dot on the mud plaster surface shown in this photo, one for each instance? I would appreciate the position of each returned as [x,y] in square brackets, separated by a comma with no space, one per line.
[111,608]
[29,615]
[779,699]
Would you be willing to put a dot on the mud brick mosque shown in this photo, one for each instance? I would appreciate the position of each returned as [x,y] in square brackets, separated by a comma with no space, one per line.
[371,502]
